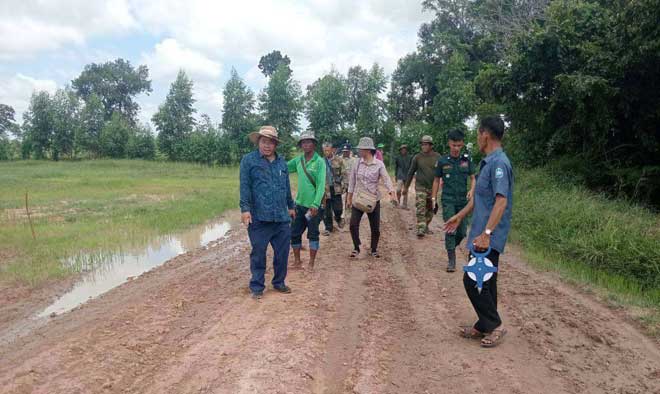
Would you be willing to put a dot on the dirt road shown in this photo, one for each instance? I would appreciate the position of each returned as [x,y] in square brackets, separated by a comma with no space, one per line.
[367,326]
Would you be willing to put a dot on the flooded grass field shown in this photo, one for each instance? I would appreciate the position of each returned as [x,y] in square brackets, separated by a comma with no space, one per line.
[96,208]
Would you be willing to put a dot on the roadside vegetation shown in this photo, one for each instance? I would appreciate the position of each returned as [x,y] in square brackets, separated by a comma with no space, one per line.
[607,246]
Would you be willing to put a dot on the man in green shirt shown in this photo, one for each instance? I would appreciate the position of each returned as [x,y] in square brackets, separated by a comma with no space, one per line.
[451,175]
[311,171]
[423,169]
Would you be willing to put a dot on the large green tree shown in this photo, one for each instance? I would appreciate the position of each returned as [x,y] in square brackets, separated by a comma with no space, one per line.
[280,102]
[238,118]
[92,120]
[65,107]
[174,119]
[116,84]
[269,63]
[38,126]
[326,102]
[7,120]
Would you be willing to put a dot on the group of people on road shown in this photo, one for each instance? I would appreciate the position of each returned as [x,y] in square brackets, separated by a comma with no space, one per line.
[331,185]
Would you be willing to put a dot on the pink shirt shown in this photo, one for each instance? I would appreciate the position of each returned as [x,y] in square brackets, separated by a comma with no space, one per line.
[379,154]
[367,175]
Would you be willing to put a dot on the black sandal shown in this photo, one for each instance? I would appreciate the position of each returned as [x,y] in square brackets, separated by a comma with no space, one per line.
[355,254]
[375,254]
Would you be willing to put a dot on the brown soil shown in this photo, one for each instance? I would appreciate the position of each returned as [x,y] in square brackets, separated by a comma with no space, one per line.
[367,326]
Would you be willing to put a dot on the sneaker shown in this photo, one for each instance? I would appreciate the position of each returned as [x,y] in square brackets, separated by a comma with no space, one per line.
[283,289]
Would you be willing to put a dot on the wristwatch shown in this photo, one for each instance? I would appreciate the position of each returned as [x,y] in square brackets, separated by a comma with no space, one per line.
[488,231]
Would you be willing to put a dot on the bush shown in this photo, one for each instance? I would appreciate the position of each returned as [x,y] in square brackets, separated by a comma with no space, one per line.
[141,144]
[568,221]
[114,137]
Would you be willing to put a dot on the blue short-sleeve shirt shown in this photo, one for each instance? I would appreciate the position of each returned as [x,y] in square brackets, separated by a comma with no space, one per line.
[495,177]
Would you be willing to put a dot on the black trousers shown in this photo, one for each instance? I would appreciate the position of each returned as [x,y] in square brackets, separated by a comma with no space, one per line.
[485,303]
[333,206]
[374,224]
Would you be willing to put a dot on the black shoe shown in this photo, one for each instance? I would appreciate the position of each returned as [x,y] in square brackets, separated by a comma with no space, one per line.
[257,295]
[283,289]
[451,260]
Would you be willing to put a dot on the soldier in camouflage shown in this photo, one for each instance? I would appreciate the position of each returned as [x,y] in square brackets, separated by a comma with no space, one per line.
[422,169]
[334,205]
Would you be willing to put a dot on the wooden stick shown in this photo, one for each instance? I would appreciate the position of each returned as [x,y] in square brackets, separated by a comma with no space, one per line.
[27,210]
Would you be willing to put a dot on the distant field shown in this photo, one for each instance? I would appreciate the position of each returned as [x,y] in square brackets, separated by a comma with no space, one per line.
[99,205]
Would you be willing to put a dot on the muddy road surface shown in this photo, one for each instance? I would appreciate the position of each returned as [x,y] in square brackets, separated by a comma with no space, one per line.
[369,325]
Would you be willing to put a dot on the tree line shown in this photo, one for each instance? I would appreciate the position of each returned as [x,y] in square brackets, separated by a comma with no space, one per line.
[576,81]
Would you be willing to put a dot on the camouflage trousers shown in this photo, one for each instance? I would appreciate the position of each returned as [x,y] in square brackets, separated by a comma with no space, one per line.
[424,209]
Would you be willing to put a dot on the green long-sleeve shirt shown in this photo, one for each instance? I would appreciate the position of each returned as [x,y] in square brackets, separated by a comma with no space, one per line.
[423,169]
[308,195]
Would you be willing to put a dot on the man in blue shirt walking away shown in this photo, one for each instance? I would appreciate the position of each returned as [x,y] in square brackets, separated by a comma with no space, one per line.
[492,203]
[266,209]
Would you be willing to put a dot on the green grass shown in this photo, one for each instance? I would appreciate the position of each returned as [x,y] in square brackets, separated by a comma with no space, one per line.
[99,206]
[607,246]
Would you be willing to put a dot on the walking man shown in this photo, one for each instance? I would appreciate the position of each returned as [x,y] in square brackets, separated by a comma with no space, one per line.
[451,175]
[491,222]
[333,203]
[266,209]
[423,169]
[311,171]
[349,162]
[401,168]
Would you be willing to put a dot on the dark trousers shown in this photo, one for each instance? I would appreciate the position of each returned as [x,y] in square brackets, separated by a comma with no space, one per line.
[300,224]
[485,303]
[333,206]
[278,235]
[449,209]
[374,223]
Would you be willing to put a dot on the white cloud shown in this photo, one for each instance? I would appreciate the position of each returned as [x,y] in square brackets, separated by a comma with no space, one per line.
[16,91]
[30,26]
[169,57]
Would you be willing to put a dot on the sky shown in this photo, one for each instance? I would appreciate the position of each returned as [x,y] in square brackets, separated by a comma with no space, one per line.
[46,43]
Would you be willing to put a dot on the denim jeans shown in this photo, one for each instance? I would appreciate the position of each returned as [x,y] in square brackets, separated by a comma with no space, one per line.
[278,235]
[300,224]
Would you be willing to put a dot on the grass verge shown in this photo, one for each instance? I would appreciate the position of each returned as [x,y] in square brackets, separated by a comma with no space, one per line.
[609,247]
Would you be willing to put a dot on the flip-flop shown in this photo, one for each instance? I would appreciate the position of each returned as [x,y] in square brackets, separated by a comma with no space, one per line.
[497,337]
[466,332]
[354,254]
[375,255]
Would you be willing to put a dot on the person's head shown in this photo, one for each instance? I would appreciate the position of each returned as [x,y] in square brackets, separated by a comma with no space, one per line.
[307,142]
[380,146]
[328,150]
[426,144]
[490,133]
[266,140]
[346,151]
[456,142]
[366,148]
[403,150]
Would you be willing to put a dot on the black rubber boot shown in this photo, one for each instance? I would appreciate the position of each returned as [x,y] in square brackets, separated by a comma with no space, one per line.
[451,257]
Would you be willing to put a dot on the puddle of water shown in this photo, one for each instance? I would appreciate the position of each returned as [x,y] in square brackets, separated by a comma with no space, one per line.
[109,270]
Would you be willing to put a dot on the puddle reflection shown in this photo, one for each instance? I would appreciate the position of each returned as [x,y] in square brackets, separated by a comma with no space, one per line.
[109,270]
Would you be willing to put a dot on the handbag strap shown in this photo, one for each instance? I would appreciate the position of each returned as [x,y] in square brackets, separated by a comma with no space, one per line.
[302,160]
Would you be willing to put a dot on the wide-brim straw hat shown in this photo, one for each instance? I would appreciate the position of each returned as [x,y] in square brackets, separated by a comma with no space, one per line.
[264,131]
[307,135]
[366,143]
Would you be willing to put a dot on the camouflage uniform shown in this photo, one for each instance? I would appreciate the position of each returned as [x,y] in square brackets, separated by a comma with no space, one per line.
[334,204]
[422,168]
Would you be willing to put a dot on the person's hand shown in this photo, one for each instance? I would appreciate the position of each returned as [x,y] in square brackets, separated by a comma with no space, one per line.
[469,195]
[349,202]
[482,242]
[246,218]
[292,213]
[452,224]
[313,211]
